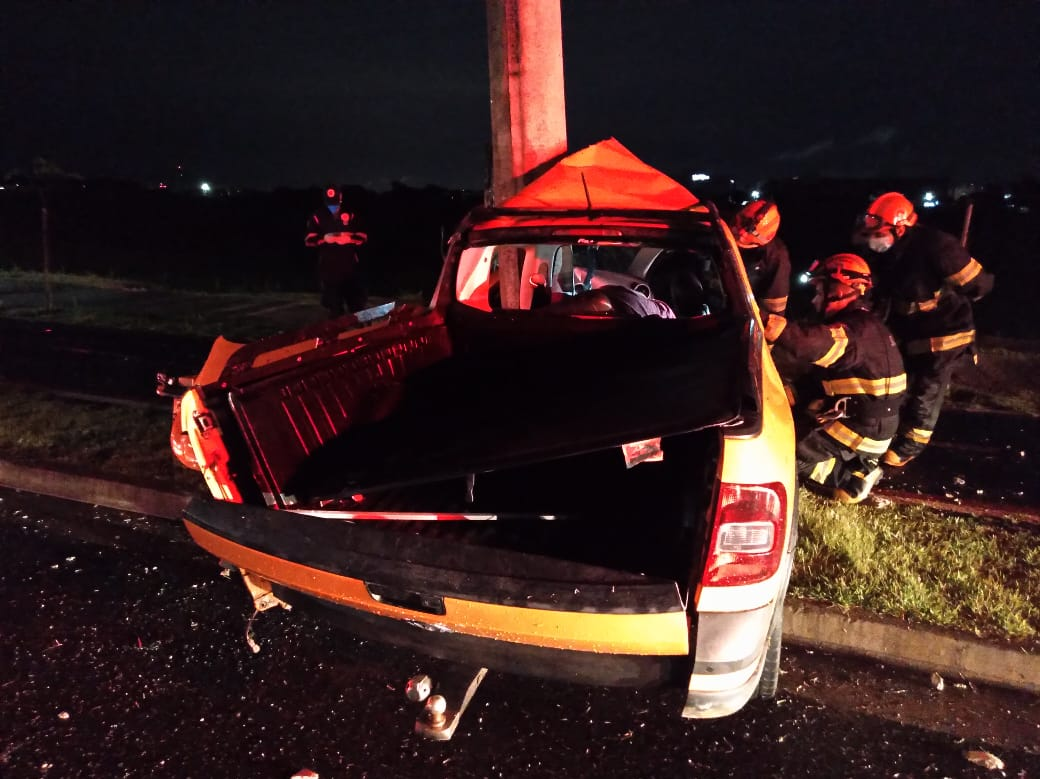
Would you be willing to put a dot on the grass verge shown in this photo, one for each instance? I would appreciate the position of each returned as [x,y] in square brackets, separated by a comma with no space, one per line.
[916,563]
[106,302]
[1007,378]
[124,443]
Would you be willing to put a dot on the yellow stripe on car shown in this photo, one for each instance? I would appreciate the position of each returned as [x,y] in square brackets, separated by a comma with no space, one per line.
[634,634]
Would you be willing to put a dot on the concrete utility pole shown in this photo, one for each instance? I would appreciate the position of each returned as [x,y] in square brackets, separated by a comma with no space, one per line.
[528,110]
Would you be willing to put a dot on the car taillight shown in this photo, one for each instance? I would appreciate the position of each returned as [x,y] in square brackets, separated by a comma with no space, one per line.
[180,442]
[747,541]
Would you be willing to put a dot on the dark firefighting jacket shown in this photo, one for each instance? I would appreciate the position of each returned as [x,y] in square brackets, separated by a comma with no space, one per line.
[858,368]
[925,284]
[336,261]
[769,271]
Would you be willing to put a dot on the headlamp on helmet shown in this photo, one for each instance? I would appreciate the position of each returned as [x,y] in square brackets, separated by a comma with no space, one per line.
[839,279]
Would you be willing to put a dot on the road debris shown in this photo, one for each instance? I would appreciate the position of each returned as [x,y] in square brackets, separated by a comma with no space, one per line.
[937,681]
[985,759]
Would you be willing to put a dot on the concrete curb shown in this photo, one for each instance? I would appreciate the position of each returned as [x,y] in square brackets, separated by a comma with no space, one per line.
[87,489]
[806,624]
[922,647]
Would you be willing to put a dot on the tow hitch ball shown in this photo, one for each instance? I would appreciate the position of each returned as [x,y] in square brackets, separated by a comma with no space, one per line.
[442,709]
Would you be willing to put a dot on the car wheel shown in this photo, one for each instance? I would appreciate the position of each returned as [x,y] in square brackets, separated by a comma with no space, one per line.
[771,667]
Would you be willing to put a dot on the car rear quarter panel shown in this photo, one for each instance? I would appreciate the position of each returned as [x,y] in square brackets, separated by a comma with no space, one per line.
[766,457]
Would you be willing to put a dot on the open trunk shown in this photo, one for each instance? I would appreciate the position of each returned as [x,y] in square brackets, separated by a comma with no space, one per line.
[589,508]
[523,425]
[541,552]
[438,401]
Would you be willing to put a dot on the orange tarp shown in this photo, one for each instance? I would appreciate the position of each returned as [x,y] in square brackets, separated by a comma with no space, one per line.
[612,177]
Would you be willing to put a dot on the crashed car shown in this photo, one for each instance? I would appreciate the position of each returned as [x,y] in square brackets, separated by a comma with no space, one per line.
[576,462]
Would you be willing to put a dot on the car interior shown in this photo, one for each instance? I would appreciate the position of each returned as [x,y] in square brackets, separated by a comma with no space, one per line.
[588,278]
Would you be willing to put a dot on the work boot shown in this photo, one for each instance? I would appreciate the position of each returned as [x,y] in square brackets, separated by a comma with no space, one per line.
[857,486]
[893,459]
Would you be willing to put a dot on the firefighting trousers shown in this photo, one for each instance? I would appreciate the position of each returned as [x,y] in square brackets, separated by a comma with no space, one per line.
[824,461]
[342,285]
[344,295]
[929,377]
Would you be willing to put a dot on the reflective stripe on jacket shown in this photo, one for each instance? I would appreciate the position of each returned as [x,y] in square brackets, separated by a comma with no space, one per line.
[853,356]
[927,282]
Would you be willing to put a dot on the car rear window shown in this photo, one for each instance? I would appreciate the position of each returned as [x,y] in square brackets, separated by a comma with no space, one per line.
[683,281]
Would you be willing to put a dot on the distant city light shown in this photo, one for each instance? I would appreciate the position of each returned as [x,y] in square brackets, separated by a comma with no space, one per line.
[700,177]
[162,185]
[205,187]
[929,200]
[755,194]
[1007,195]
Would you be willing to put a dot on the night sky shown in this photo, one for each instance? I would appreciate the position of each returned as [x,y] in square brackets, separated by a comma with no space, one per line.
[264,94]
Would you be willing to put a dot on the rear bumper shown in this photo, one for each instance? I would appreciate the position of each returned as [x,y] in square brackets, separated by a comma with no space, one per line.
[577,667]
[731,650]
[439,587]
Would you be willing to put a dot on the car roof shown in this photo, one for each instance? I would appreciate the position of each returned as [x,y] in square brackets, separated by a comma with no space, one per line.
[586,223]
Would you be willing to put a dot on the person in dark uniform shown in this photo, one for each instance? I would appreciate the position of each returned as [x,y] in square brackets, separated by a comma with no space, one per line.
[329,230]
[926,282]
[766,259]
[854,364]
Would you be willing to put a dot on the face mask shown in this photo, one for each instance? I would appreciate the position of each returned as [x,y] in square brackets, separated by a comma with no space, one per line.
[818,302]
[880,244]
[333,208]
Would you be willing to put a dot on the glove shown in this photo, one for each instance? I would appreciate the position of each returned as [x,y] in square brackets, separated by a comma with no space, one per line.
[774,327]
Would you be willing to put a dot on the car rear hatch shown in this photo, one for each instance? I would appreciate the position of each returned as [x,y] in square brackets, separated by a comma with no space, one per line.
[441,400]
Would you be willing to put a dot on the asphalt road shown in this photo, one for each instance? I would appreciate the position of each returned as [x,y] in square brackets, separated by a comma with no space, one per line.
[977,457]
[123,654]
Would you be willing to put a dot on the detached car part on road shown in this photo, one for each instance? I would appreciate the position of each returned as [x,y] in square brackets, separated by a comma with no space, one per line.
[576,462]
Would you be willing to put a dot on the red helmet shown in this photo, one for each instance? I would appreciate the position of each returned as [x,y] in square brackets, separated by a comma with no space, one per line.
[756,224]
[848,269]
[892,210]
[842,278]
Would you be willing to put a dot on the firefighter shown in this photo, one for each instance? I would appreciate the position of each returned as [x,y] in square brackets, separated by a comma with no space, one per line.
[329,230]
[926,282]
[766,258]
[856,370]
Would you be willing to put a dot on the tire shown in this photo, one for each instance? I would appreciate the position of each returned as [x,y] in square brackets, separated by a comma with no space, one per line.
[771,665]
